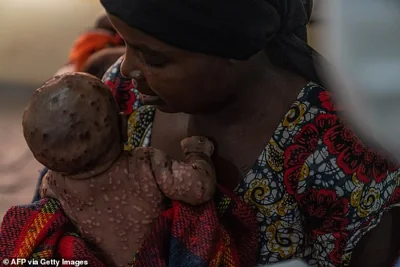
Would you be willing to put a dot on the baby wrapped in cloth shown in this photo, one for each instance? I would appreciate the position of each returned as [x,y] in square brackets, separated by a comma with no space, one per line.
[221,232]
[72,127]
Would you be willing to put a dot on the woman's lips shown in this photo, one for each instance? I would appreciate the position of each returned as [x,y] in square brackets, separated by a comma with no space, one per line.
[151,100]
[147,99]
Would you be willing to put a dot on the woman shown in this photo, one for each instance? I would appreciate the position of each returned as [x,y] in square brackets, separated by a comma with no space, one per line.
[231,72]
[241,73]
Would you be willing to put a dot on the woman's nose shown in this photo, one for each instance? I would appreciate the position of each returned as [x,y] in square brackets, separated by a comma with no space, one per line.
[132,71]
[129,69]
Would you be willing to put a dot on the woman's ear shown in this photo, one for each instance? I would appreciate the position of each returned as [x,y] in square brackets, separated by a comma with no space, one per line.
[123,124]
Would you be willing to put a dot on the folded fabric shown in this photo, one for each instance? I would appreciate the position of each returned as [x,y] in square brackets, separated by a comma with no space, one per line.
[223,232]
[91,42]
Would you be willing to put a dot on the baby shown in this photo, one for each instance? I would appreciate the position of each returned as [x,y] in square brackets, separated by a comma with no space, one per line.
[73,126]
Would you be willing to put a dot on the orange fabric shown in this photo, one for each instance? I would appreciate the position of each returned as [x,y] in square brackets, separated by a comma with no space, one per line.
[90,43]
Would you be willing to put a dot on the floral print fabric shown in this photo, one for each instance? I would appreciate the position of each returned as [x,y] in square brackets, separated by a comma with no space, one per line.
[316,187]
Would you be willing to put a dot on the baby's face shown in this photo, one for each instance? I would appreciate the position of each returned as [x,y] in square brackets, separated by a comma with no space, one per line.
[71,122]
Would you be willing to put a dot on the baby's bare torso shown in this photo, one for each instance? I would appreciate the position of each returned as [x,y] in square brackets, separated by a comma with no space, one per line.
[118,206]
[115,210]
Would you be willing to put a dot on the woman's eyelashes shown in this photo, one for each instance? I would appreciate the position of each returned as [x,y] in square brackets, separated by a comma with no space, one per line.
[151,58]
[153,61]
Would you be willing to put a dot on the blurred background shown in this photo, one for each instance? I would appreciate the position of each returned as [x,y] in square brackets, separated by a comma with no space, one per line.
[36,37]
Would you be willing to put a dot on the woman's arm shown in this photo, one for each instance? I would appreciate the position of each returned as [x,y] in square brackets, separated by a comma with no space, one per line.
[381,246]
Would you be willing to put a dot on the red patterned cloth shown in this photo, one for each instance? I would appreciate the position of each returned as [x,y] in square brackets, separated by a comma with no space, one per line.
[316,186]
[121,89]
[223,232]
[42,231]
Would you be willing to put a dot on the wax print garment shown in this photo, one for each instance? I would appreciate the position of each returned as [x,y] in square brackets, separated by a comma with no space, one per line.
[219,233]
[316,187]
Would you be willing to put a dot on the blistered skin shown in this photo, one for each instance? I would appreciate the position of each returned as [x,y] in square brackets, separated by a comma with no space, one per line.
[115,210]
[71,124]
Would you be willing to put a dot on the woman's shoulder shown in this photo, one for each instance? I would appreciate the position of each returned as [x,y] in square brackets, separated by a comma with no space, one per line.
[319,149]
[330,138]
[341,184]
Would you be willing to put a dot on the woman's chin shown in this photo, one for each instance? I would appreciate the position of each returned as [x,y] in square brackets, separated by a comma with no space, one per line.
[187,109]
[165,109]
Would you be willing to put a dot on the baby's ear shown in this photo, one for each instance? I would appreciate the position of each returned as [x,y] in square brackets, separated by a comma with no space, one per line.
[123,125]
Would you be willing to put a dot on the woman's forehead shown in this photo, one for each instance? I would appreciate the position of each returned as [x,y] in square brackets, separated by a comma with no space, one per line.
[147,44]
[140,40]
[235,29]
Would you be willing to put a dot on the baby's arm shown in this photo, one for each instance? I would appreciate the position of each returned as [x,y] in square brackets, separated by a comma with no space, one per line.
[192,181]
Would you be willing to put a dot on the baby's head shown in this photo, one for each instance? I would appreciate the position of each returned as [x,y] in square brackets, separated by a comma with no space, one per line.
[72,124]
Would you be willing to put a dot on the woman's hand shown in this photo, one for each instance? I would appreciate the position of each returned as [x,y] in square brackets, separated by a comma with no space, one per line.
[379,247]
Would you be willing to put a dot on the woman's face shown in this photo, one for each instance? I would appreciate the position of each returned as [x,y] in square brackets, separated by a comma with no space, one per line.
[184,81]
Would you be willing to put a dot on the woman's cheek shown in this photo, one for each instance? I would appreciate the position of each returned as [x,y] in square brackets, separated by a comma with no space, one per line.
[164,82]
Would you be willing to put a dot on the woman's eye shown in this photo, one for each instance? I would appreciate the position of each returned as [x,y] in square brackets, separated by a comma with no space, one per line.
[148,57]
[153,61]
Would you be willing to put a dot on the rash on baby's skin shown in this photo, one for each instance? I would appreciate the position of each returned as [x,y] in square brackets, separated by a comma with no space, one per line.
[71,122]
[114,208]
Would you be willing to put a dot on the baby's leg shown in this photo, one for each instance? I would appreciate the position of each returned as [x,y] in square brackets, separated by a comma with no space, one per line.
[192,181]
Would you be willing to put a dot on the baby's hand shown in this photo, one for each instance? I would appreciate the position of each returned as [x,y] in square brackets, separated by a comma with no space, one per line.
[193,181]
[197,145]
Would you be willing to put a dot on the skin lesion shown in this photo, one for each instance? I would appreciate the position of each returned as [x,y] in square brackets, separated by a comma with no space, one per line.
[192,181]
[46,186]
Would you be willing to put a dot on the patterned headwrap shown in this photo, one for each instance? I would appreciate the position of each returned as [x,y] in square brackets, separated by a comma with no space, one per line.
[235,29]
